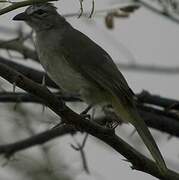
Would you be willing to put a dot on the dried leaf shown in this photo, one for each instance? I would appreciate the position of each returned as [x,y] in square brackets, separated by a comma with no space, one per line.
[120,14]
[109,21]
[130,8]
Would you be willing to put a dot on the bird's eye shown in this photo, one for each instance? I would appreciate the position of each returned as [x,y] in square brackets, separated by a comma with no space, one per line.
[40,12]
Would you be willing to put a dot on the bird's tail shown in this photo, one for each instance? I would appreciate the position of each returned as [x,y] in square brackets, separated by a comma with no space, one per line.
[131,115]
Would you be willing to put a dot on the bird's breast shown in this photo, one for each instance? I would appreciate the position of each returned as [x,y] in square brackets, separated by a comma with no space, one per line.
[61,72]
[64,75]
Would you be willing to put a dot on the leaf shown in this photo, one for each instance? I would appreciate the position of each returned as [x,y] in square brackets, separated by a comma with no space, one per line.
[109,21]
[122,12]
[130,8]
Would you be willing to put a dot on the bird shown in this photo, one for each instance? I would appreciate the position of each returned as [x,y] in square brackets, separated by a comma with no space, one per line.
[77,64]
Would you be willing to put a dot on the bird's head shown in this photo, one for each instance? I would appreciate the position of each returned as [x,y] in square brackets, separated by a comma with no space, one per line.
[40,16]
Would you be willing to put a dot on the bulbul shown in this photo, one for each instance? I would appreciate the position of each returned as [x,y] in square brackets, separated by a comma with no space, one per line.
[78,65]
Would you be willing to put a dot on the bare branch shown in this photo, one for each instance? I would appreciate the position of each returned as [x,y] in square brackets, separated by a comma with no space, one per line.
[81,8]
[159,119]
[17,5]
[37,76]
[9,149]
[139,161]
[31,73]
[80,148]
[148,68]
[20,97]
[102,11]
[18,46]
[92,9]
[165,121]
[159,12]
[147,98]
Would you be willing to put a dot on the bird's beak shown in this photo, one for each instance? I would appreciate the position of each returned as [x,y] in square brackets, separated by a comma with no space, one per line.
[21,17]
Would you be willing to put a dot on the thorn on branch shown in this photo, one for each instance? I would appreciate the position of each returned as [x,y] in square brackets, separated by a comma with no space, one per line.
[17,79]
[174,106]
[58,125]
[132,133]
[169,137]
[44,85]
[14,87]
[9,154]
[8,159]
[126,160]
[9,54]
[86,110]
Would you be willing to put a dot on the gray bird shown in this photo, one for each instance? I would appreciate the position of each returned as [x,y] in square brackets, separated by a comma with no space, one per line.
[77,64]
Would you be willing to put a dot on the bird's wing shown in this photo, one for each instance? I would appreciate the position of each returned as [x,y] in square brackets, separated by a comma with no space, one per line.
[95,64]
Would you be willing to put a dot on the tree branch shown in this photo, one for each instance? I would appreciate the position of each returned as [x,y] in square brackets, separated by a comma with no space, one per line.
[159,119]
[156,119]
[17,5]
[157,11]
[21,97]
[18,46]
[9,149]
[162,120]
[146,97]
[37,75]
[139,161]
[149,68]
[31,73]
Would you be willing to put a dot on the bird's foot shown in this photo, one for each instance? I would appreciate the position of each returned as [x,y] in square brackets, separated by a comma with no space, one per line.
[112,124]
[85,114]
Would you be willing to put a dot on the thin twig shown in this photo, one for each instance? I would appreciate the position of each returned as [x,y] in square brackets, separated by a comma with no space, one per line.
[101,11]
[158,69]
[9,149]
[81,8]
[139,161]
[17,5]
[159,12]
[31,73]
[80,147]
[92,9]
